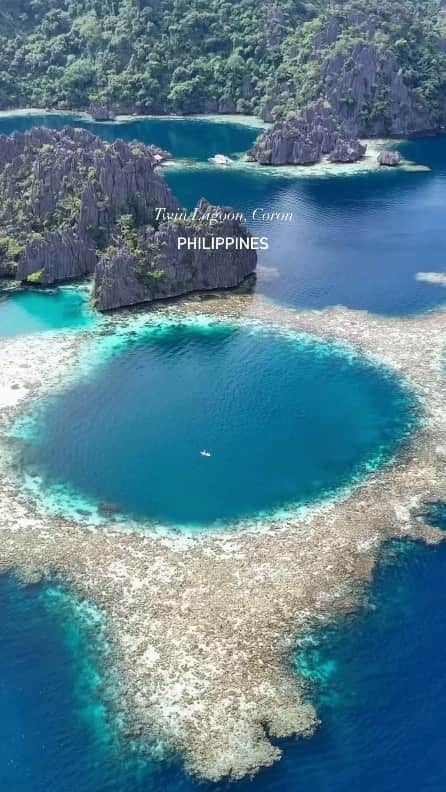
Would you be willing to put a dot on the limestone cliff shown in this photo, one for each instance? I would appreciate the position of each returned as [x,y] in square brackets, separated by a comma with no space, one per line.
[377,68]
[61,194]
[72,205]
[303,139]
[157,268]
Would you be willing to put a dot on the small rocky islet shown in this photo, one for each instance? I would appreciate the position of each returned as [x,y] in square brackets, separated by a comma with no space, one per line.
[315,133]
[75,206]
[305,138]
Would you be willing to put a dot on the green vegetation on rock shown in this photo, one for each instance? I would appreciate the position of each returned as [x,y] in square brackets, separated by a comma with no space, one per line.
[35,277]
[247,56]
[10,247]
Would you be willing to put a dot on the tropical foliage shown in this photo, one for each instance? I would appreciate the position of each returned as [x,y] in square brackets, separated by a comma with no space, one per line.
[186,56]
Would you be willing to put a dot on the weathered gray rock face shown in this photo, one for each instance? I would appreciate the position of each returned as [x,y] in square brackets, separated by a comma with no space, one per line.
[347,151]
[354,91]
[390,158]
[72,205]
[62,193]
[7,269]
[124,279]
[57,256]
[360,60]
[226,105]
[101,111]
[303,140]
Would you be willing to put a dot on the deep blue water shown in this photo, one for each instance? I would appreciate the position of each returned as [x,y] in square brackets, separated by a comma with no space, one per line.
[381,693]
[381,685]
[191,138]
[34,311]
[274,412]
[356,240]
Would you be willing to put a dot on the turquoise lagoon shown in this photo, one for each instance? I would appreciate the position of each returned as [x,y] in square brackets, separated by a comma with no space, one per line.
[28,310]
[357,240]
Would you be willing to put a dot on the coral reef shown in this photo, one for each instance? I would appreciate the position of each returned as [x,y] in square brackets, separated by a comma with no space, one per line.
[202,626]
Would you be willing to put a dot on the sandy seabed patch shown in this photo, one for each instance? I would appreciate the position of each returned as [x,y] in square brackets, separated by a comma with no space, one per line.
[201,627]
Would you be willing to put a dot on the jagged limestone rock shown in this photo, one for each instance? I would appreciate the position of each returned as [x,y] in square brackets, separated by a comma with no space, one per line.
[72,204]
[390,158]
[101,111]
[57,256]
[160,269]
[305,138]
[347,151]
[62,193]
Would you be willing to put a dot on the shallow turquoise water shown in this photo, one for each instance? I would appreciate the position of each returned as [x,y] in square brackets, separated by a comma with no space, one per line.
[285,420]
[27,311]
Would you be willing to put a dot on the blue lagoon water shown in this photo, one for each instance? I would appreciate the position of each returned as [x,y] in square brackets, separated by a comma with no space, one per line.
[380,683]
[357,241]
[24,311]
[274,411]
[189,138]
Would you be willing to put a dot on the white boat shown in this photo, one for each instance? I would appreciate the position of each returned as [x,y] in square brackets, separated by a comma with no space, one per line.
[221,159]
[205,453]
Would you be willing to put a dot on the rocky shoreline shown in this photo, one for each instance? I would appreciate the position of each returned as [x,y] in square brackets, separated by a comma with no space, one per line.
[293,155]
[201,627]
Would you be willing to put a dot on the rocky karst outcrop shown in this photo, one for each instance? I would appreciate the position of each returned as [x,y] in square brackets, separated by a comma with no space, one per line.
[101,111]
[389,158]
[56,256]
[62,193]
[155,267]
[366,90]
[305,138]
[377,65]
[347,150]
[72,205]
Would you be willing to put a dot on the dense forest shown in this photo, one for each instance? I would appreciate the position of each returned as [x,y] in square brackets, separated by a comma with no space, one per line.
[268,57]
